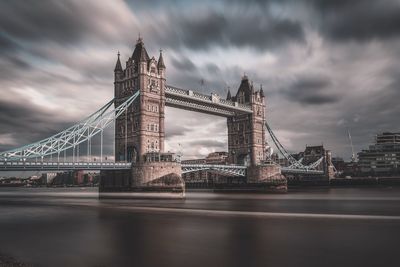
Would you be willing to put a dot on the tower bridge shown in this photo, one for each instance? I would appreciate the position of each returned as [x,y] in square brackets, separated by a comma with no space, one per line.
[138,113]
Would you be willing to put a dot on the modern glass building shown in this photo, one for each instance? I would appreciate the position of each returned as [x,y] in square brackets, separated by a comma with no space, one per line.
[383,157]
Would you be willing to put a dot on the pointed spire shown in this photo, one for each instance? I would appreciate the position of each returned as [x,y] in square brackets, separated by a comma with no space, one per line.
[140,53]
[245,89]
[161,61]
[140,39]
[118,66]
[261,91]
[229,96]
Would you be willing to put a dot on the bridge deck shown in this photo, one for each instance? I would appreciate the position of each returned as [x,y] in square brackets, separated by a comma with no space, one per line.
[62,166]
[210,104]
[235,170]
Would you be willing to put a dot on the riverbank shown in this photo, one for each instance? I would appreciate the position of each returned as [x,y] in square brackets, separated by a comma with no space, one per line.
[392,181]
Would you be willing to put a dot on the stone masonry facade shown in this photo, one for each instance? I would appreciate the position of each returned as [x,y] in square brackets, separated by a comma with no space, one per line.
[141,129]
[246,132]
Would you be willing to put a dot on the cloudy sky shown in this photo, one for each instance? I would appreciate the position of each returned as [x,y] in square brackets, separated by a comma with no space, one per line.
[325,66]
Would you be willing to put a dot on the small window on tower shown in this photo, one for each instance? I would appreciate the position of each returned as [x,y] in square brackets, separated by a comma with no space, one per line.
[153,69]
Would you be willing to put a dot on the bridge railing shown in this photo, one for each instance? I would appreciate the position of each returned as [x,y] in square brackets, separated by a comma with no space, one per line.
[20,165]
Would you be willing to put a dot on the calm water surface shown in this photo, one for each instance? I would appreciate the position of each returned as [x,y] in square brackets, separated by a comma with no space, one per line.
[307,227]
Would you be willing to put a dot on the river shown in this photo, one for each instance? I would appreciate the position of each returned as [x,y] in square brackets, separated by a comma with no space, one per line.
[306,227]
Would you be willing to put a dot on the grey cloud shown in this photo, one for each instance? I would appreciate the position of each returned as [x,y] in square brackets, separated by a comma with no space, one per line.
[64,22]
[50,20]
[311,91]
[212,68]
[173,130]
[27,123]
[6,44]
[208,143]
[258,30]
[183,64]
[343,20]
[362,22]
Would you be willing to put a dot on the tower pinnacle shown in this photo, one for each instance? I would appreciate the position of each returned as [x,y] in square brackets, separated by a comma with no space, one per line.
[161,61]
[118,66]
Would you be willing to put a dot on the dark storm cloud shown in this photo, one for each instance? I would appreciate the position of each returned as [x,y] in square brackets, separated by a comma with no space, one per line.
[64,22]
[183,64]
[27,123]
[6,44]
[311,90]
[359,20]
[212,68]
[51,31]
[8,60]
[374,113]
[344,20]
[210,28]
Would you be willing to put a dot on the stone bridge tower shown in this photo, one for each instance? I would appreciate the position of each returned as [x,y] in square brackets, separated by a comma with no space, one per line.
[246,132]
[141,129]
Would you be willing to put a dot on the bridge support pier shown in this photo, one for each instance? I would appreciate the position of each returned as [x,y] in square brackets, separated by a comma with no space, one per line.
[267,177]
[157,174]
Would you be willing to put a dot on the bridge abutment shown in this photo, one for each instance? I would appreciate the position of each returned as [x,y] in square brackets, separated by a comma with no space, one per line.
[268,177]
[158,173]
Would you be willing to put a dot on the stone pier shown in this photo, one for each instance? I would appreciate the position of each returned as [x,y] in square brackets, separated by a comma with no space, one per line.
[159,173]
[268,177]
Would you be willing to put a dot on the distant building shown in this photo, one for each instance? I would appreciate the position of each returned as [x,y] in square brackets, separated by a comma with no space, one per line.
[339,163]
[383,157]
[314,153]
[63,178]
[194,161]
[218,158]
[204,178]
[48,177]
[345,168]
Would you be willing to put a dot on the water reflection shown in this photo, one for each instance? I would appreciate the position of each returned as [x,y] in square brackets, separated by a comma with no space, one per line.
[68,230]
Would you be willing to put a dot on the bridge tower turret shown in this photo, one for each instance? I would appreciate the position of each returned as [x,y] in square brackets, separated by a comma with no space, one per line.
[246,134]
[141,129]
[162,83]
